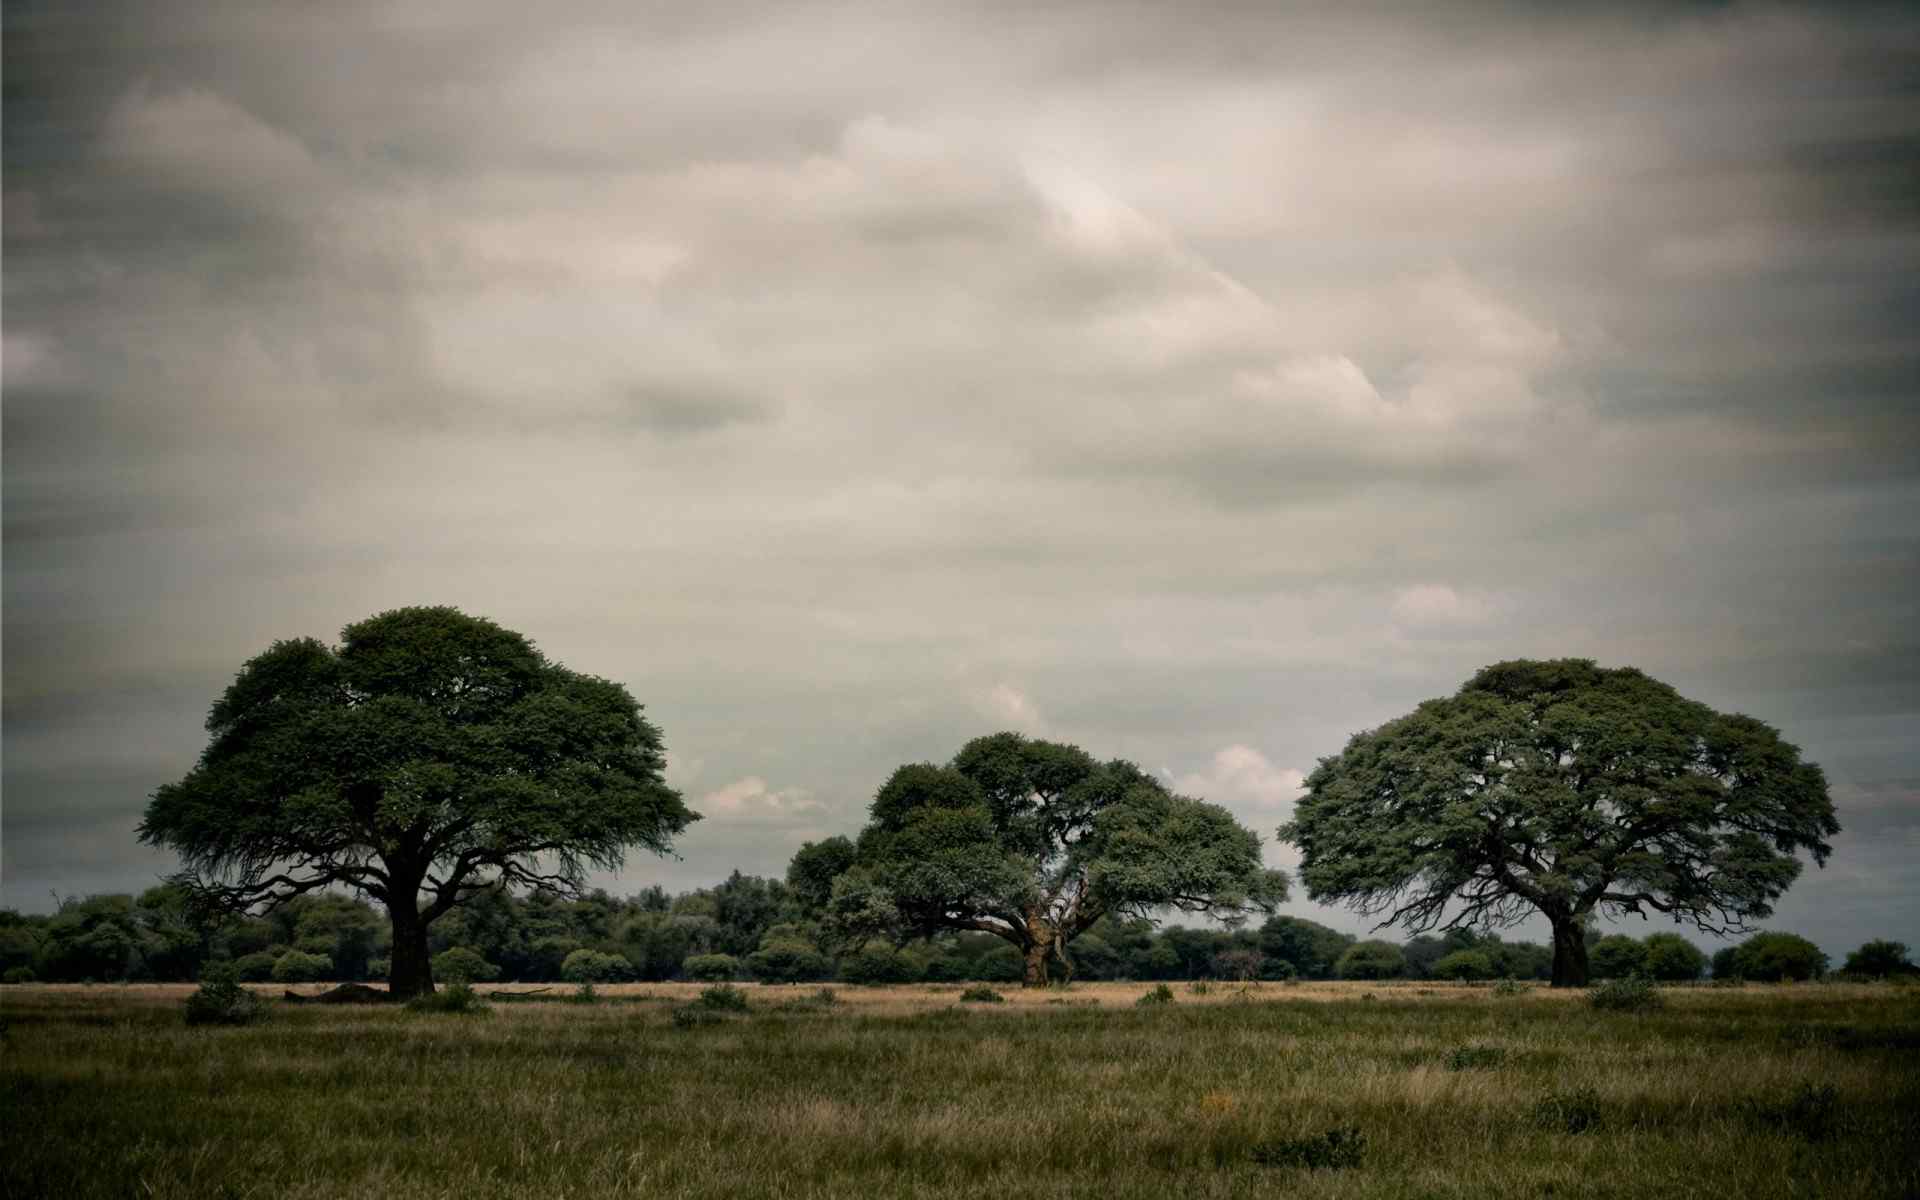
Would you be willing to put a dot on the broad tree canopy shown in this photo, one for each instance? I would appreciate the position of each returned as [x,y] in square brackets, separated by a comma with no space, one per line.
[428,758]
[1565,789]
[1034,841]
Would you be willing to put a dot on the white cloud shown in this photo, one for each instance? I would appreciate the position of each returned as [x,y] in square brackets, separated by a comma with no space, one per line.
[750,799]
[1012,709]
[1243,778]
[1439,606]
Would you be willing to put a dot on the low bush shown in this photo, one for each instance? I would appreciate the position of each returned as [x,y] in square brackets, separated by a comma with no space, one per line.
[1161,994]
[1475,1058]
[457,998]
[1199,987]
[592,966]
[711,968]
[980,993]
[222,1001]
[297,966]
[1575,1111]
[1329,1151]
[462,963]
[1509,987]
[253,968]
[693,1016]
[723,997]
[1634,994]
[18,975]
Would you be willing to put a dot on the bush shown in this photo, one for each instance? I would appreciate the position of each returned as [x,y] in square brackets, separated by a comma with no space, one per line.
[1879,959]
[297,966]
[1200,987]
[463,964]
[877,965]
[981,993]
[1161,994]
[1371,960]
[788,962]
[1330,1151]
[1576,1111]
[692,1016]
[1475,1058]
[253,968]
[591,966]
[723,997]
[1633,994]
[222,1001]
[1617,956]
[1771,957]
[457,998]
[710,968]
[18,975]
[1509,987]
[1463,965]
[1673,959]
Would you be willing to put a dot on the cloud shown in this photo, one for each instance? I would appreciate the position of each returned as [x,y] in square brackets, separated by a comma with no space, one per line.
[1243,777]
[1013,709]
[750,799]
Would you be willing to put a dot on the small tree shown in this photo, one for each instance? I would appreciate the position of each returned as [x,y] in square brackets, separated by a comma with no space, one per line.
[1671,958]
[1617,956]
[592,966]
[1034,842]
[428,759]
[1567,790]
[1771,957]
[1880,959]
[711,968]
[464,965]
[297,966]
[1463,965]
[1371,960]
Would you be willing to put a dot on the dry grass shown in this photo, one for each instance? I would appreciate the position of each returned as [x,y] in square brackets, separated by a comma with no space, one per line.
[904,1091]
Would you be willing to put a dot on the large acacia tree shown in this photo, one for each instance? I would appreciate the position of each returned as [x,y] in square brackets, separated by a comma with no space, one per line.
[430,757]
[1035,841]
[1568,790]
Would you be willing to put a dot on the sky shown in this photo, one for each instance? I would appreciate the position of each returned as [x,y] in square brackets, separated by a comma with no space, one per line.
[1200,384]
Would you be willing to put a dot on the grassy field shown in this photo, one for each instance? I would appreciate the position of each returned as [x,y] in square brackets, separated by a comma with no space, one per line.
[1809,1090]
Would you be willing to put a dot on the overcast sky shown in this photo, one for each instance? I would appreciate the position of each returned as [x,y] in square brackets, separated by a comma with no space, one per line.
[1199,383]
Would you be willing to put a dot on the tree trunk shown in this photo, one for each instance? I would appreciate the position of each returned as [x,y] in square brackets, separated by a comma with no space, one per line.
[411,973]
[1037,955]
[1569,952]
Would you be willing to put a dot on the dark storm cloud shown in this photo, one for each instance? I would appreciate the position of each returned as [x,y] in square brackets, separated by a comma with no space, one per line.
[1202,384]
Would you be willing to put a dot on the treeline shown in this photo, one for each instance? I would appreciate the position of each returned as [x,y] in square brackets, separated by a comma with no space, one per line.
[753,928]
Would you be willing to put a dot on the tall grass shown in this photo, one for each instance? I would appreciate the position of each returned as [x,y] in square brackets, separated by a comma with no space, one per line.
[1764,1091]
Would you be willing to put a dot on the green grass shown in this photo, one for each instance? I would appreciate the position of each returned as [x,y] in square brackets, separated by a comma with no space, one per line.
[1757,1092]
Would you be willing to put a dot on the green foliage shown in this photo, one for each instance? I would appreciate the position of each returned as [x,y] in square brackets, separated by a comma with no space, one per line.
[1463,965]
[711,968]
[1632,994]
[1036,841]
[1475,1058]
[723,997]
[874,966]
[222,1001]
[1879,959]
[18,975]
[814,867]
[1772,957]
[297,966]
[254,968]
[457,999]
[1617,956]
[1160,994]
[1566,789]
[431,755]
[1509,987]
[462,965]
[1371,960]
[1330,1151]
[1573,1111]
[1671,958]
[980,993]
[592,966]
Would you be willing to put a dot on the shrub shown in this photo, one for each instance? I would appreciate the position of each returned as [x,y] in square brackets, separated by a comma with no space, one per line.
[1200,987]
[379,968]
[692,1016]
[1371,960]
[826,998]
[1633,994]
[981,993]
[1771,957]
[462,964]
[1617,956]
[18,975]
[457,998]
[591,966]
[876,965]
[711,968]
[1161,994]
[1475,1058]
[584,994]
[1463,965]
[788,961]
[297,966]
[1329,1151]
[723,997]
[253,968]
[222,1001]
[1509,987]
[1576,1111]
[1879,959]
[1673,959]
